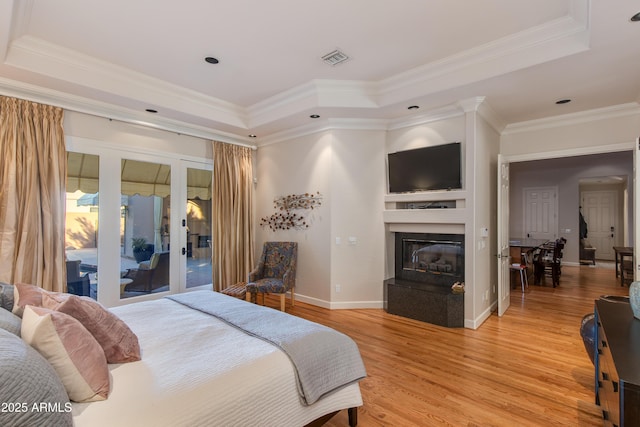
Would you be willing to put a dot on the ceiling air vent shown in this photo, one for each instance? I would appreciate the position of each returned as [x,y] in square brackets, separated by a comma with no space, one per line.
[334,58]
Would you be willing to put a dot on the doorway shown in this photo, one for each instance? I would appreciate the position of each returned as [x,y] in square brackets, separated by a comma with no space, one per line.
[571,175]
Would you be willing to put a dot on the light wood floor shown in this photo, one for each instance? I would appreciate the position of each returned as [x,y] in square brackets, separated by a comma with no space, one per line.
[528,368]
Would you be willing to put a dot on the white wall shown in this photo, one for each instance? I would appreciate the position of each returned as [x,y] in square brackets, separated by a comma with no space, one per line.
[582,133]
[428,134]
[358,186]
[299,166]
[483,281]
[347,167]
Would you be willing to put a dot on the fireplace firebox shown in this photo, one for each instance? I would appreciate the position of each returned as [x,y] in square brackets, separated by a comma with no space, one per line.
[426,265]
[437,259]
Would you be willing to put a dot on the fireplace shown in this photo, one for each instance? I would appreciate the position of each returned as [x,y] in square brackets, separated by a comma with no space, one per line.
[432,258]
[426,265]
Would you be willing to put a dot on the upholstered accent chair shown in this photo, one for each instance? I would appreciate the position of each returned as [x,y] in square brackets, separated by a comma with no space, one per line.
[149,275]
[275,273]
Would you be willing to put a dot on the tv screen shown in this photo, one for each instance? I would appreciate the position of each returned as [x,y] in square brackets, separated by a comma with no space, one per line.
[429,168]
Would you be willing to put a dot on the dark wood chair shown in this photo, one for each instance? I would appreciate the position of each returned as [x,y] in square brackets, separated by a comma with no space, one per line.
[548,261]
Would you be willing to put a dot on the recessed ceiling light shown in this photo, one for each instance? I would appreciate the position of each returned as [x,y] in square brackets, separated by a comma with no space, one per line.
[252,135]
[563,101]
[636,17]
[314,116]
[211,60]
[151,110]
[413,107]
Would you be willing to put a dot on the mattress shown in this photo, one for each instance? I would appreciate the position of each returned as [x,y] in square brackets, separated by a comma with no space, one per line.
[197,370]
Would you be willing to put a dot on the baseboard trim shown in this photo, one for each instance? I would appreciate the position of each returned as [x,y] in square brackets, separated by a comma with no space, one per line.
[475,323]
[339,305]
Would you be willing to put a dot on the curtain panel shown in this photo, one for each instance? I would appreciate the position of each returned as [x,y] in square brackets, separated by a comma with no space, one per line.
[32,194]
[232,194]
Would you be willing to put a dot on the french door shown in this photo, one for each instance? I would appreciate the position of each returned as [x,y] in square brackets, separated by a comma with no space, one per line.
[145,233]
[196,260]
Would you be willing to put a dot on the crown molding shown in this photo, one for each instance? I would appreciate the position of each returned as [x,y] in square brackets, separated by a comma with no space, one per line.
[48,59]
[621,110]
[322,126]
[551,40]
[86,106]
[545,42]
[570,152]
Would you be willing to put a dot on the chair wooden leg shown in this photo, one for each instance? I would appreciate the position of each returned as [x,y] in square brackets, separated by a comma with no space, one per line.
[282,300]
[293,298]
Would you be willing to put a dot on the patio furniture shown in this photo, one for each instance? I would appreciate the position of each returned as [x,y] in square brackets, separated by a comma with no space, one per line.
[150,275]
[77,283]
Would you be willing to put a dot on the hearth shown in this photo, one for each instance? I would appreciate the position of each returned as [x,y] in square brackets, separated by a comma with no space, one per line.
[426,265]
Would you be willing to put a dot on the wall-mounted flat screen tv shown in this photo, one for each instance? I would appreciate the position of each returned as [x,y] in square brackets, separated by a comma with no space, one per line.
[429,168]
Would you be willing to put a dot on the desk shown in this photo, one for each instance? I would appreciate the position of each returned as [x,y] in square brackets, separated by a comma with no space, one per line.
[621,253]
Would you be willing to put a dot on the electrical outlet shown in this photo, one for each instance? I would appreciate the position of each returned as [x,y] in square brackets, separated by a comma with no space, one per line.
[338,288]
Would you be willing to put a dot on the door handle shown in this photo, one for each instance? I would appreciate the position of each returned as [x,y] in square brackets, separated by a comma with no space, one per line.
[184,251]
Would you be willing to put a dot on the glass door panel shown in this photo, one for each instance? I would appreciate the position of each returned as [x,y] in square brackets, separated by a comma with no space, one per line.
[81,223]
[198,211]
[144,225]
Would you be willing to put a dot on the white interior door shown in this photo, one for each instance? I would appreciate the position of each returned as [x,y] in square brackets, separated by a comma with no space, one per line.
[600,211]
[541,213]
[504,285]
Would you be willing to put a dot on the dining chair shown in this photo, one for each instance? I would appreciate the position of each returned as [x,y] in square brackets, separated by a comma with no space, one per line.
[521,267]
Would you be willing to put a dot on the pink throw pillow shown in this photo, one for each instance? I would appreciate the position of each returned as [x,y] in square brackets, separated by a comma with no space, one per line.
[25,294]
[119,343]
[74,354]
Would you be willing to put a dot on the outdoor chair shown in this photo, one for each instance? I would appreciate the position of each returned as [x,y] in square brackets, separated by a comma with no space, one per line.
[149,275]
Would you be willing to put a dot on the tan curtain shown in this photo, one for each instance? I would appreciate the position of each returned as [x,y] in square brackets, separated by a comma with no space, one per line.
[32,194]
[233,236]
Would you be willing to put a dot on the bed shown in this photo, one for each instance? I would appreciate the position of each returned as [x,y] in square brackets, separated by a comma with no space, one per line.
[199,368]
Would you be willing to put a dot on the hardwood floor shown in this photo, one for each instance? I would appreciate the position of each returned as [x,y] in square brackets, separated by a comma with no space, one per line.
[528,368]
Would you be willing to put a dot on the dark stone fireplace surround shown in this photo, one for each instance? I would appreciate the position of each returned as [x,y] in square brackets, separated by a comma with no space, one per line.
[421,288]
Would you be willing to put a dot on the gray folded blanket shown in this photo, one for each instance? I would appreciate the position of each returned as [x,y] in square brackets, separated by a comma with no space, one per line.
[324,359]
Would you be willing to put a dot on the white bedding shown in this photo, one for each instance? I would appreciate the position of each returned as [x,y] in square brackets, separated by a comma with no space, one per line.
[198,371]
